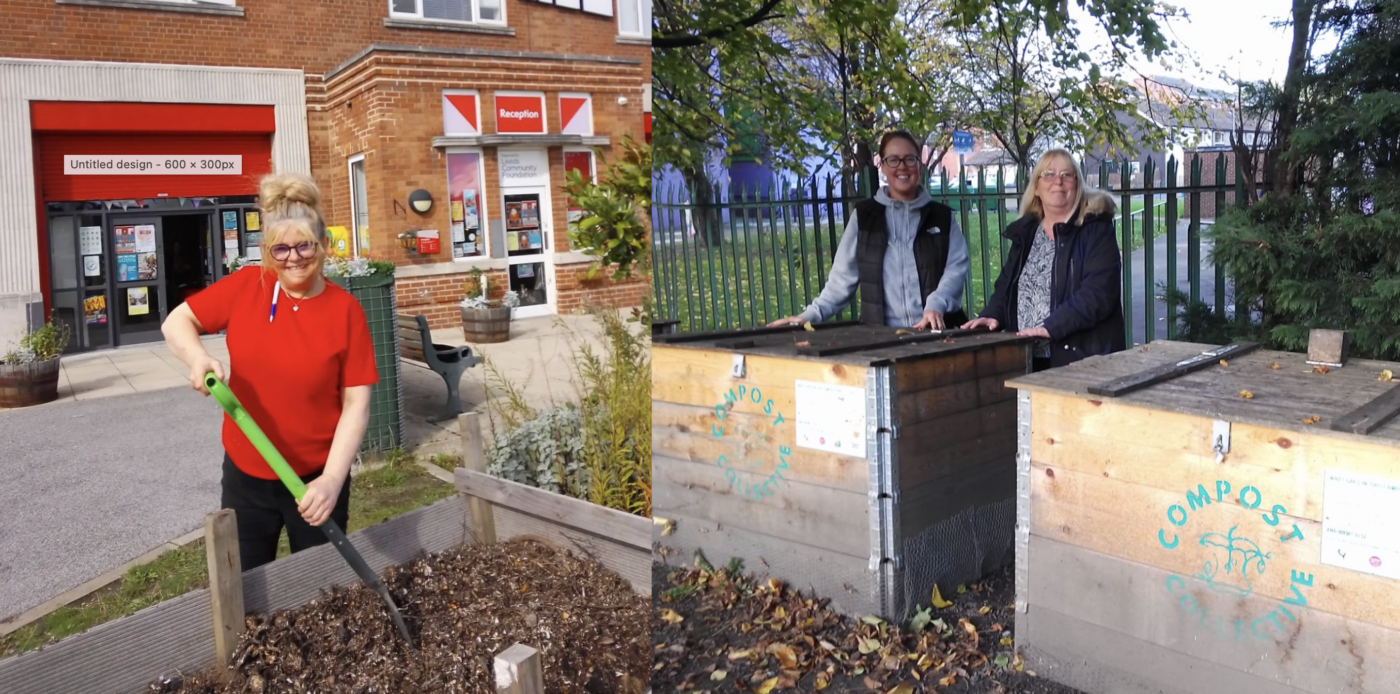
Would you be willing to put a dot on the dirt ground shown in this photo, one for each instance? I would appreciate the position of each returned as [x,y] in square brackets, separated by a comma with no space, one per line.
[464,607]
[714,632]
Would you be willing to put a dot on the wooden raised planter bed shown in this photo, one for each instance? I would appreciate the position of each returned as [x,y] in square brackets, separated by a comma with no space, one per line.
[1147,562]
[865,464]
[125,655]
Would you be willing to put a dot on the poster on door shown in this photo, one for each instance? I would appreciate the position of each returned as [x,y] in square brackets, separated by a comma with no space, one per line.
[124,239]
[513,216]
[146,266]
[138,301]
[530,214]
[145,238]
[126,268]
[469,219]
[92,266]
[95,309]
[90,240]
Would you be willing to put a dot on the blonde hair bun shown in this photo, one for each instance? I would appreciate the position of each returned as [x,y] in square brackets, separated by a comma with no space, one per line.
[278,192]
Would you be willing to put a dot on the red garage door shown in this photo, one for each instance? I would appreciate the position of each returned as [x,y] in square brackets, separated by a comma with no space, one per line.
[81,128]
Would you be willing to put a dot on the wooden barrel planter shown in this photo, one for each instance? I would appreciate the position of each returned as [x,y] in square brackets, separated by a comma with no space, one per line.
[486,324]
[25,385]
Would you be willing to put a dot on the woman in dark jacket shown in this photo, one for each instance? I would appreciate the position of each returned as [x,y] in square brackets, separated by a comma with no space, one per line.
[1062,281]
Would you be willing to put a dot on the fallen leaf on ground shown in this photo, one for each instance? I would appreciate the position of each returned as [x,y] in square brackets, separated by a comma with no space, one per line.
[1224,363]
[902,688]
[1312,420]
[868,646]
[902,331]
[1002,660]
[1386,376]
[872,620]
[1320,369]
[822,681]
[671,616]
[740,655]
[808,327]
[1006,641]
[718,675]
[770,683]
[1275,366]
[938,600]
[947,681]
[984,610]
[962,589]
[872,684]
[891,662]
[787,658]
[1018,664]
[1246,395]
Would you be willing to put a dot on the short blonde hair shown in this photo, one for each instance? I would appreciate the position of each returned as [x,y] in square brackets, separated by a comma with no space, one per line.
[291,204]
[1030,201]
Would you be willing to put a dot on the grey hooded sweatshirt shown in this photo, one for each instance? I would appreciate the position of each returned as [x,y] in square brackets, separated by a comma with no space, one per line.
[903,305]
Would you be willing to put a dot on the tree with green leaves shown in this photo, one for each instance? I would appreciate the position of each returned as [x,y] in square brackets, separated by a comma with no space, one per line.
[1322,247]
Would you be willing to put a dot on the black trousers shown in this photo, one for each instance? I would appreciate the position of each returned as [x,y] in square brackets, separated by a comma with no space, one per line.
[264,507]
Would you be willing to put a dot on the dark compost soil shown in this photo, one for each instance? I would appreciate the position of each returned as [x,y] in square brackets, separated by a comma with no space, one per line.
[463,607]
[716,632]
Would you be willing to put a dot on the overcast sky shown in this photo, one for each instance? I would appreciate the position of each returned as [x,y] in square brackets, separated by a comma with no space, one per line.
[1236,36]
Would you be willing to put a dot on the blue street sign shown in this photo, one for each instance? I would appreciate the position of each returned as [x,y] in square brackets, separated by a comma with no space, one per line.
[962,142]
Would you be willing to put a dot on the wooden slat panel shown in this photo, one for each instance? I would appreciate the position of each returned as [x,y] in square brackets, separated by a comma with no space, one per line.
[921,464]
[1282,397]
[1369,417]
[631,563]
[935,404]
[686,433]
[1124,520]
[1313,652]
[993,420]
[701,378]
[939,499]
[795,512]
[1165,372]
[936,372]
[409,321]
[806,564]
[1171,451]
[623,527]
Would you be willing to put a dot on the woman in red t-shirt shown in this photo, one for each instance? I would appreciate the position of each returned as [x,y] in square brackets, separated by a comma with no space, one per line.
[301,363]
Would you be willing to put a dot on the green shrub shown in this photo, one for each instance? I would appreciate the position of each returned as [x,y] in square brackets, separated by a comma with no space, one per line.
[46,343]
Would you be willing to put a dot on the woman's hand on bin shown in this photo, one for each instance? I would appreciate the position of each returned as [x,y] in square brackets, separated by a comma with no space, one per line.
[785,322]
[1038,331]
[200,366]
[990,323]
[933,320]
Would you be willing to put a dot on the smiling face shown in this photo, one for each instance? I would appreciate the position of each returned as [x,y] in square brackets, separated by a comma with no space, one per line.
[294,254]
[1057,185]
[900,162]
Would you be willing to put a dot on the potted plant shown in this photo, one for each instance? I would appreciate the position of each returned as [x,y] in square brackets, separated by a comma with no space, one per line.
[29,374]
[485,320]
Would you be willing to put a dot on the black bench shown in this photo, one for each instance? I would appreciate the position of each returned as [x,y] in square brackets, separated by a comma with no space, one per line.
[445,360]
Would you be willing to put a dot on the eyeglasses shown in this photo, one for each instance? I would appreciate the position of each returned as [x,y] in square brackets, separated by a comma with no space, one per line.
[909,162]
[1064,176]
[281,251]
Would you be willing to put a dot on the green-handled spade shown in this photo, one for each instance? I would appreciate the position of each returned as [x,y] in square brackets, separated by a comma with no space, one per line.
[229,402]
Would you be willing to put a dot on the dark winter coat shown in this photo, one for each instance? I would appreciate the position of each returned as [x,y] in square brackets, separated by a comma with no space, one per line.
[1086,307]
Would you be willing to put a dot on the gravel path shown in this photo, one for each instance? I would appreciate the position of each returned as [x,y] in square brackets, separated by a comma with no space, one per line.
[92,484]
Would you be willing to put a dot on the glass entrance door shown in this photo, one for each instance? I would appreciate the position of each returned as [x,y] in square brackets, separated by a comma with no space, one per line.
[139,269]
[529,250]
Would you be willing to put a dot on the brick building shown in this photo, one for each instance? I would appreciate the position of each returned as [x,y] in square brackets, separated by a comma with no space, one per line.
[474,106]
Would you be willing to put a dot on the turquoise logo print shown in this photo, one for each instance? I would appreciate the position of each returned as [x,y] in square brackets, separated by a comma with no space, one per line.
[1240,556]
[1233,564]
[745,473]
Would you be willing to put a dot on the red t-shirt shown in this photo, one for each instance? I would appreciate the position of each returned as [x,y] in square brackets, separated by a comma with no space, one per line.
[288,374]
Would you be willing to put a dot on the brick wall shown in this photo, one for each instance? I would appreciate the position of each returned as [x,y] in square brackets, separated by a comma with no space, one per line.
[437,296]
[314,36]
[1208,178]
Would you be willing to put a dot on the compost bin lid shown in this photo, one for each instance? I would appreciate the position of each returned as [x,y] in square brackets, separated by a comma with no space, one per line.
[842,343]
[1261,387]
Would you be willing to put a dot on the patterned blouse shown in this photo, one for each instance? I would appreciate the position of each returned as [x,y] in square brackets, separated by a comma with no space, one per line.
[1033,295]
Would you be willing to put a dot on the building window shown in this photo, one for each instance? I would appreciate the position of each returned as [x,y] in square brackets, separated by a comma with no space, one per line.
[359,206]
[634,18]
[468,203]
[1219,137]
[582,162]
[473,11]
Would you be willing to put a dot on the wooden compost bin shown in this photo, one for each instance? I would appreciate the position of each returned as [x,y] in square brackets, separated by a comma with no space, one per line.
[1147,564]
[865,464]
[177,635]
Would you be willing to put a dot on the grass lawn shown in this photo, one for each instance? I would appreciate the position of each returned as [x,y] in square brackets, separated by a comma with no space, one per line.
[399,486]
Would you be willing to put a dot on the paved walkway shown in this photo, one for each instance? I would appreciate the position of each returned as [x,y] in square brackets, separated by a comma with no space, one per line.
[126,461]
[1141,289]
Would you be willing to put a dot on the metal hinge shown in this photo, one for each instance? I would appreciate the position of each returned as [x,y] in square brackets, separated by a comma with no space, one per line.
[1220,440]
